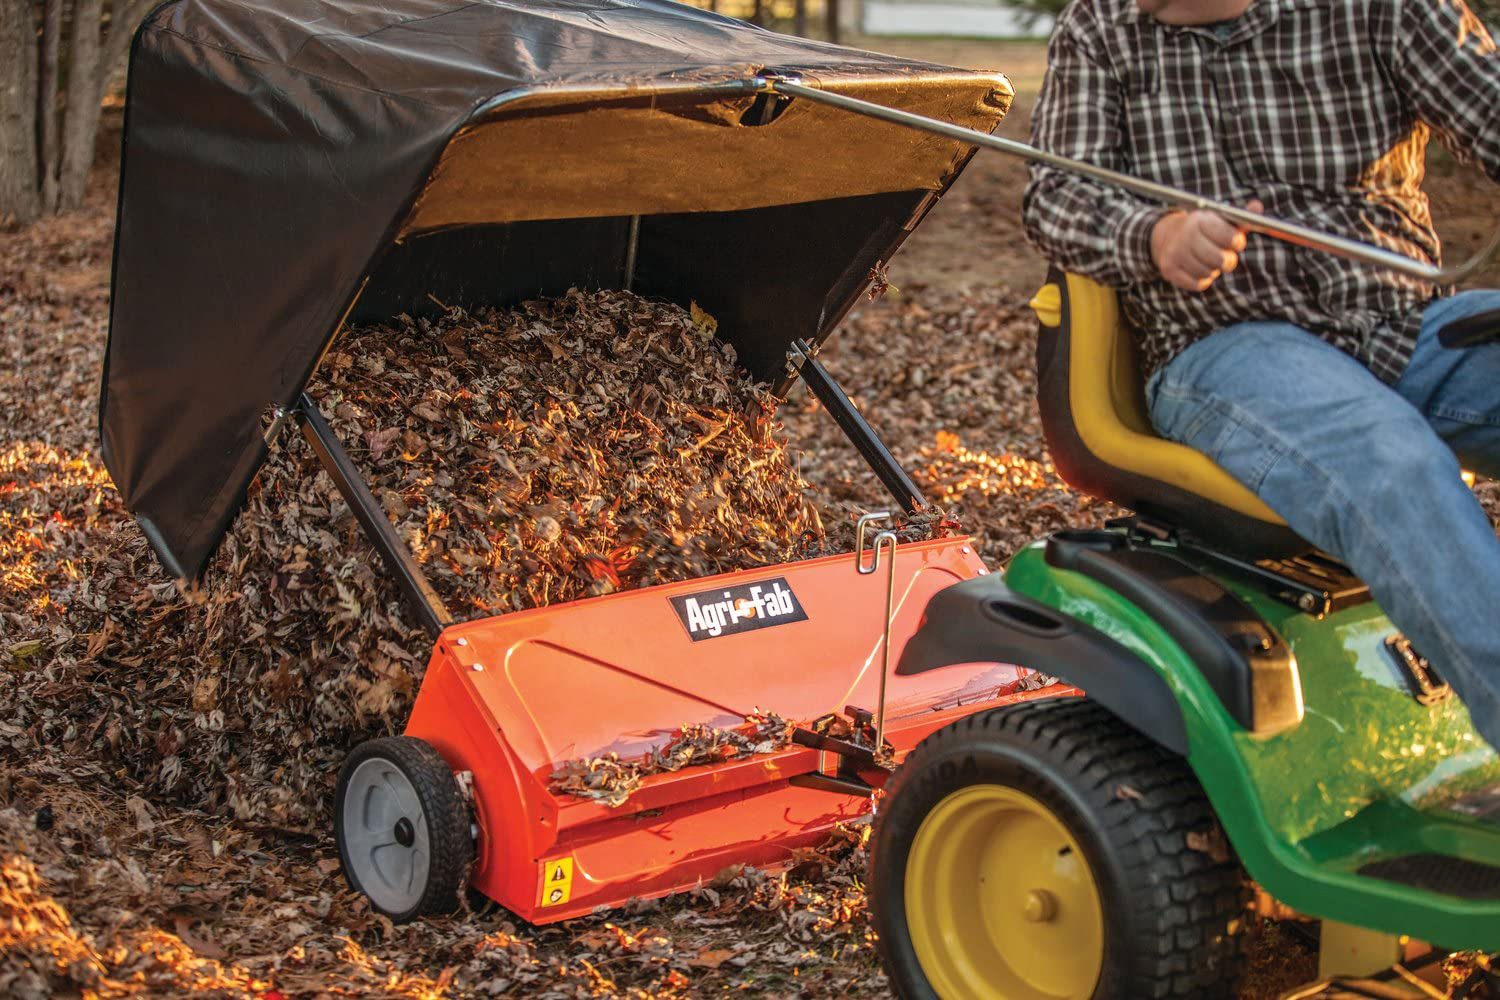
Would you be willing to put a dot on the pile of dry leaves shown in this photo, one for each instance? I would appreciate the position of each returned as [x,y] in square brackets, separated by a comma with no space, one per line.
[106,896]
[563,449]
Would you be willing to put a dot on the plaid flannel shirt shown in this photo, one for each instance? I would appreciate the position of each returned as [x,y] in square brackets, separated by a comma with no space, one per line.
[1322,109]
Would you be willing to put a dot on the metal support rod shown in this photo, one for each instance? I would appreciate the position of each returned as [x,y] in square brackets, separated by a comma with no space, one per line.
[832,783]
[884,540]
[632,245]
[859,432]
[398,558]
[1291,232]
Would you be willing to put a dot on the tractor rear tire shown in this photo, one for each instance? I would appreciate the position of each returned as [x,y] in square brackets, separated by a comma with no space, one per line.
[977,890]
[403,828]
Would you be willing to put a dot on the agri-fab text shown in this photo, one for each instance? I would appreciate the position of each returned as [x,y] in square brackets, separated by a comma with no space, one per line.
[716,613]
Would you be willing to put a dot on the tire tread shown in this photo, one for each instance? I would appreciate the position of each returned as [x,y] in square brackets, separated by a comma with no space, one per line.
[1185,904]
[447,815]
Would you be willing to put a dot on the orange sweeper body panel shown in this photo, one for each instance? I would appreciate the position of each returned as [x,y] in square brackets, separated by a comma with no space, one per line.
[510,698]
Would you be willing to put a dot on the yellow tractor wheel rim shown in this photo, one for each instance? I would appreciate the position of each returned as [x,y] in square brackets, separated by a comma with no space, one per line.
[1000,901]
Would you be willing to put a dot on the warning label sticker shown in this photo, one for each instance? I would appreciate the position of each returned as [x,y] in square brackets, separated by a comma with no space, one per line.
[731,610]
[557,881]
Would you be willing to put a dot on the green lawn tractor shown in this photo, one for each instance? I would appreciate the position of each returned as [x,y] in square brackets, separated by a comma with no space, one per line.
[1248,710]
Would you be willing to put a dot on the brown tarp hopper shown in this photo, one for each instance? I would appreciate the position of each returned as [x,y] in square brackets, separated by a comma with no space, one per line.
[290,164]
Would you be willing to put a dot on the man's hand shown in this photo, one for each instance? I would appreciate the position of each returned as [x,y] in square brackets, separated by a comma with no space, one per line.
[1191,249]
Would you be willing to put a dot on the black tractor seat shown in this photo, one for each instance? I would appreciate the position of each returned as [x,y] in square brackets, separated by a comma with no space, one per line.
[1094,417]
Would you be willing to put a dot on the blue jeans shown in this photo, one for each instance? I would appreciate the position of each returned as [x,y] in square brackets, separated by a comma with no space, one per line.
[1367,472]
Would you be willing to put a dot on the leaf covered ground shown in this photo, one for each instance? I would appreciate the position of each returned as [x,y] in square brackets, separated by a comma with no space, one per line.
[153,843]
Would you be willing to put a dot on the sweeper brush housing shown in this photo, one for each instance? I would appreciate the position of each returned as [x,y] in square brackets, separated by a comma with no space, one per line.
[512,698]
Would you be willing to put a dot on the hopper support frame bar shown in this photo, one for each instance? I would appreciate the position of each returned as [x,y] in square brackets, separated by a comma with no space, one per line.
[825,388]
[398,558]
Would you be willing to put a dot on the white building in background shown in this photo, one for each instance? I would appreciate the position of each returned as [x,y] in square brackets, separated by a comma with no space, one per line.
[954,18]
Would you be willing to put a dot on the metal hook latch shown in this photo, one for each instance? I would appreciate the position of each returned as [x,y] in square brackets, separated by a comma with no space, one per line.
[885,539]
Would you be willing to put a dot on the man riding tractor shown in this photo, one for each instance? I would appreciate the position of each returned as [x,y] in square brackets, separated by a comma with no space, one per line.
[1250,710]
[1316,382]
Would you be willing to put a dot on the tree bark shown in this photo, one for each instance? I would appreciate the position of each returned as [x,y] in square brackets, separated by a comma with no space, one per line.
[84,86]
[47,146]
[46,109]
[124,17]
[20,198]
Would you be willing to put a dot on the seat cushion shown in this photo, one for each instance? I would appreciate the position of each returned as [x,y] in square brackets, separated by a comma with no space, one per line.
[1097,427]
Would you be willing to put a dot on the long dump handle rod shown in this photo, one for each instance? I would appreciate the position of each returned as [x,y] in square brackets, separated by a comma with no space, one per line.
[858,430]
[398,558]
[1291,232]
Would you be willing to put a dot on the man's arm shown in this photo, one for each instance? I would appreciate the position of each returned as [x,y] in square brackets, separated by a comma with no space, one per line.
[1446,63]
[1087,228]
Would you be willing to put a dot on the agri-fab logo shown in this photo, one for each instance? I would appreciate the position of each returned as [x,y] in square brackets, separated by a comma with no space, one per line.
[738,609]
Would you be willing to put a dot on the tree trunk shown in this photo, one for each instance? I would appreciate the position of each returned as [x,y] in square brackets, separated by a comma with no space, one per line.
[84,87]
[20,198]
[46,109]
[124,17]
[47,146]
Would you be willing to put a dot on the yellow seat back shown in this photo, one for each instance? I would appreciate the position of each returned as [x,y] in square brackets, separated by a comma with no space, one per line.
[1105,404]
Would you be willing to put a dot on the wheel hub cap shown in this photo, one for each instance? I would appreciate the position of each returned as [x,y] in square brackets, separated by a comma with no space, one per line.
[385,835]
[404,833]
[1000,901]
[1041,906]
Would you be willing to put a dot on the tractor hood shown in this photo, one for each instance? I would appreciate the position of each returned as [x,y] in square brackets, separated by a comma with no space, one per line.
[290,164]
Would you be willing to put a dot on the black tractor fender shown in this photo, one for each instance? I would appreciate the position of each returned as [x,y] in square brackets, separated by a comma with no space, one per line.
[984,621]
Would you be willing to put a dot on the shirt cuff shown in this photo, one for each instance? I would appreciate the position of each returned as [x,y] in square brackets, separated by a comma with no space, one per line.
[1133,243]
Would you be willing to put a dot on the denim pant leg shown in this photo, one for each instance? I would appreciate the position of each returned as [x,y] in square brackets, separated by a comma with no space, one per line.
[1459,391]
[1357,470]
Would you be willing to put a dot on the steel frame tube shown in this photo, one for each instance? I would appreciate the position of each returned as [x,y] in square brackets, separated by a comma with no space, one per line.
[1291,232]
[826,389]
[431,612]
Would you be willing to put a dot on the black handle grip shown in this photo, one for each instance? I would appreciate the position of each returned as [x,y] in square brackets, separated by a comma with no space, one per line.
[1471,330]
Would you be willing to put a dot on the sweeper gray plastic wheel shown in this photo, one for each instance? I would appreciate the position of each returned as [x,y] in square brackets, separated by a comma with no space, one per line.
[402,828]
